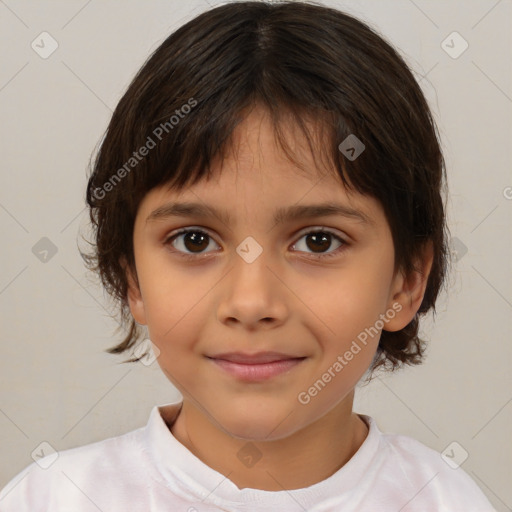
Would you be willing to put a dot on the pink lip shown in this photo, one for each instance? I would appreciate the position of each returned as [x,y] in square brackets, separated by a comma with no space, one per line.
[256,367]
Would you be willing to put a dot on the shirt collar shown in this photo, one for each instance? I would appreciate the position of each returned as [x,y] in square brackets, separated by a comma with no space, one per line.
[182,472]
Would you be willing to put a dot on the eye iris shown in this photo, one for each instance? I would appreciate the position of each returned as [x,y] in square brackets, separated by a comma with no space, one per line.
[319,238]
[197,240]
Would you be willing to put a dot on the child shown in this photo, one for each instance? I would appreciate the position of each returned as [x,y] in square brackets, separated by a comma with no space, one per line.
[254,134]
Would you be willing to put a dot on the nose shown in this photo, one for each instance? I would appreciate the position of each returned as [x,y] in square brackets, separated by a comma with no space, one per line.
[252,295]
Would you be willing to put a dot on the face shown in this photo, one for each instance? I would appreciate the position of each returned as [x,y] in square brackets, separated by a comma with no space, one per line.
[239,284]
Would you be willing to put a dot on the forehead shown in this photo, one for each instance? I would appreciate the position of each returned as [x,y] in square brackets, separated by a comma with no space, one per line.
[261,152]
[280,143]
[257,174]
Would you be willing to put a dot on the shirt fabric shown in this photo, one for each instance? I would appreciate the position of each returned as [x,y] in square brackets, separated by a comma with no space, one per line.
[149,470]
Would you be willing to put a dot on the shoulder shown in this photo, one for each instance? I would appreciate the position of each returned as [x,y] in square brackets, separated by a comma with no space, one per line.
[63,478]
[428,478]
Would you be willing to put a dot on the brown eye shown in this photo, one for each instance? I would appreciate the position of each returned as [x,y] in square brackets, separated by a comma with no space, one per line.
[319,242]
[190,241]
[195,241]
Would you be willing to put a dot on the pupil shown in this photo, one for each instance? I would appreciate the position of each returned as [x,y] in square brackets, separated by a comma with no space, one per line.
[319,239]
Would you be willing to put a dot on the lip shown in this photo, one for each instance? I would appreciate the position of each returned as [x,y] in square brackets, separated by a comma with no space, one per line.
[256,358]
[256,367]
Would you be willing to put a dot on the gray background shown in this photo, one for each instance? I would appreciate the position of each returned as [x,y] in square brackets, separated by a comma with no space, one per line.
[60,387]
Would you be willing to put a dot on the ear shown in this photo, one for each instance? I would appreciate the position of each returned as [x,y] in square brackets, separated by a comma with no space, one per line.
[135,300]
[407,292]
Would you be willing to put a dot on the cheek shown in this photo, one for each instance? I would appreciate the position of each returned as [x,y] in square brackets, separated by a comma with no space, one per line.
[349,302]
[176,332]
[177,305]
[169,299]
[168,288]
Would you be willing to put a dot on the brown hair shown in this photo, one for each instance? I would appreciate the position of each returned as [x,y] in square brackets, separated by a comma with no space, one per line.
[295,58]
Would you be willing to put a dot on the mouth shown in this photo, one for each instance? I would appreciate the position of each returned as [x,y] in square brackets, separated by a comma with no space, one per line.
[255,367]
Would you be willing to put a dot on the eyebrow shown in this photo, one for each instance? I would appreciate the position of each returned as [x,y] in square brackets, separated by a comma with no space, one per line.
[281,216]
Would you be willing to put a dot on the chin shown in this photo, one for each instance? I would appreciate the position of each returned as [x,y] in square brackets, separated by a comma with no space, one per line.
[259,427]
[253,432]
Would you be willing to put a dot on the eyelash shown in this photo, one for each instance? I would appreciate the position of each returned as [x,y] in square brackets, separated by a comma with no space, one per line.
[190,256]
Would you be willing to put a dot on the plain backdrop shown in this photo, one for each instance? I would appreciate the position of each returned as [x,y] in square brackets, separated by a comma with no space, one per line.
[57,383]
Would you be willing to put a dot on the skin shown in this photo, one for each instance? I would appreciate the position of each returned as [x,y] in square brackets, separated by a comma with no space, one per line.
[287,300]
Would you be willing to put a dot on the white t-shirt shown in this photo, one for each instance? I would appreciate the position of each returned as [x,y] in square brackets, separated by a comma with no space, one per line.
[149,470]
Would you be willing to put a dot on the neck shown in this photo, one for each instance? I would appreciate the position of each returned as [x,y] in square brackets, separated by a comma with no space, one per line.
[299,460]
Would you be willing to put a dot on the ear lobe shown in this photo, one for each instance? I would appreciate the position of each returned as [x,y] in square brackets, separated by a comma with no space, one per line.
[134,295]
[408,291]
